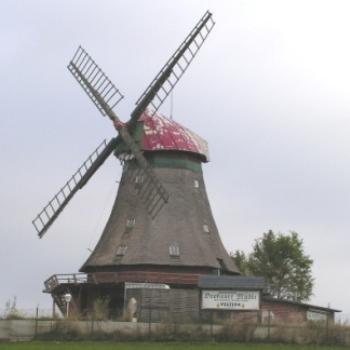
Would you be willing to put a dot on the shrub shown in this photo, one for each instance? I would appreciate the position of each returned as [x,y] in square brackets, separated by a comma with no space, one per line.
[237,331]
[11,311]
[100,309]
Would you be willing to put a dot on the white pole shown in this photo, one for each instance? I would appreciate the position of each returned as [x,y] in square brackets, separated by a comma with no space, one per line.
[67,298]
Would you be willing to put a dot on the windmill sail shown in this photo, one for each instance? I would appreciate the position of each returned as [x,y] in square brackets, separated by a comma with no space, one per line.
[172,71]
[151,191]
[101,100]
[151,194]
[51,211]
[102,92]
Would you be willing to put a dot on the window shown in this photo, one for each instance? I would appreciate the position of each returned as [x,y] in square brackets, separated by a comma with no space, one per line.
[174,250]
[139,181]
[130,223]
[122,250]
[206,228]
[196,184]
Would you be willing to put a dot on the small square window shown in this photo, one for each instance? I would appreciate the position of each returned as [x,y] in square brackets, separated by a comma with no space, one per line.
[206,228]
[174,250]
[139,179]
[196,184]
[122,250]
[130,223]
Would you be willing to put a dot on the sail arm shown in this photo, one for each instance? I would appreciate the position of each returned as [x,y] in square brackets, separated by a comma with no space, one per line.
[78,180]
[165,81]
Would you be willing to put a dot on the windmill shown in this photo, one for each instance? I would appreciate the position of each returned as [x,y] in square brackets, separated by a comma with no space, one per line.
[161,228]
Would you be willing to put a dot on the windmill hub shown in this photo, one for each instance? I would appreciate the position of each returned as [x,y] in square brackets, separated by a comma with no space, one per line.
[118,124]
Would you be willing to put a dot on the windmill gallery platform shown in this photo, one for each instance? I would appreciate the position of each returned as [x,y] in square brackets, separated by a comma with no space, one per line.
[160,253]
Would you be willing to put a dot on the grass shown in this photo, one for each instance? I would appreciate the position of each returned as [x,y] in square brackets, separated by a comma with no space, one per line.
[153,346]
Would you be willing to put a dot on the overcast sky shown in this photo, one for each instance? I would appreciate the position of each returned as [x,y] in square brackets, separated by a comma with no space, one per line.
[269,91]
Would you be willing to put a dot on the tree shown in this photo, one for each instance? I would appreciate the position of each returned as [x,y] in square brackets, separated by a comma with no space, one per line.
[281,260]
[241,261]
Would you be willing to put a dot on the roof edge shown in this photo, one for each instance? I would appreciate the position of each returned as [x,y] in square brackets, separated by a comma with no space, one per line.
[291,302]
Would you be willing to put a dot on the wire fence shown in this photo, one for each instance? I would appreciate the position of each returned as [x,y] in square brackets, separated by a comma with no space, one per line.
[166,313]
[27,313]
[70,329]
[343,318]
[165,324]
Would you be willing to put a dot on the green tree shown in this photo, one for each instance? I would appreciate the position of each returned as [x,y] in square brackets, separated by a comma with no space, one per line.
[241,261]
[281,259]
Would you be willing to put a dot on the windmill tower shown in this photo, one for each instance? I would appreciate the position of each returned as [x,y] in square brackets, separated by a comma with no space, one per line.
[161,229]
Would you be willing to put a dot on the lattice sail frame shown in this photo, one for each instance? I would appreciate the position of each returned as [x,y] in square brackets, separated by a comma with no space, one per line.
[152,194]
[165,81]
[49,213]
[83,65]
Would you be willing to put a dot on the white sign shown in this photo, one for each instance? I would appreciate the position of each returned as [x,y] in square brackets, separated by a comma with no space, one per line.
[230,300]
[135,285]
[316,316]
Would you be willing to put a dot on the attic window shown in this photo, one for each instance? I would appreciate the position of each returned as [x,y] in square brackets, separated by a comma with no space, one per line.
[206,228]
[174,250]
[139,179]
[130,223]
[196,184]
[122,250]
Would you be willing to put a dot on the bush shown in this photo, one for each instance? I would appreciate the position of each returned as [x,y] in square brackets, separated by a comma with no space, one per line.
[11,311]
[100,309]
[237,331]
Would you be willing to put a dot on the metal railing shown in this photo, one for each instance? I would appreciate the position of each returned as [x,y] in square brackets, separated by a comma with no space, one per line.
[66,278]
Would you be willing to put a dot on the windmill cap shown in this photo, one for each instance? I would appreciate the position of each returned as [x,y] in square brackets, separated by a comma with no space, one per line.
[159,133]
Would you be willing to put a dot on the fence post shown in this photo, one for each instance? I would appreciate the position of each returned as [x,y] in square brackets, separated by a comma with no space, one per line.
[149,321]
[268,324]
[175,326]
[36,321]
[53,318]
[92,322]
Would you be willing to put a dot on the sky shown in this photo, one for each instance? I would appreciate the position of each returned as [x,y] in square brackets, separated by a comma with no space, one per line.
[269,91]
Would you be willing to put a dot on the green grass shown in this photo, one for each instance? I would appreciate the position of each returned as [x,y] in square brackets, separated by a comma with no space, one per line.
[153,346]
